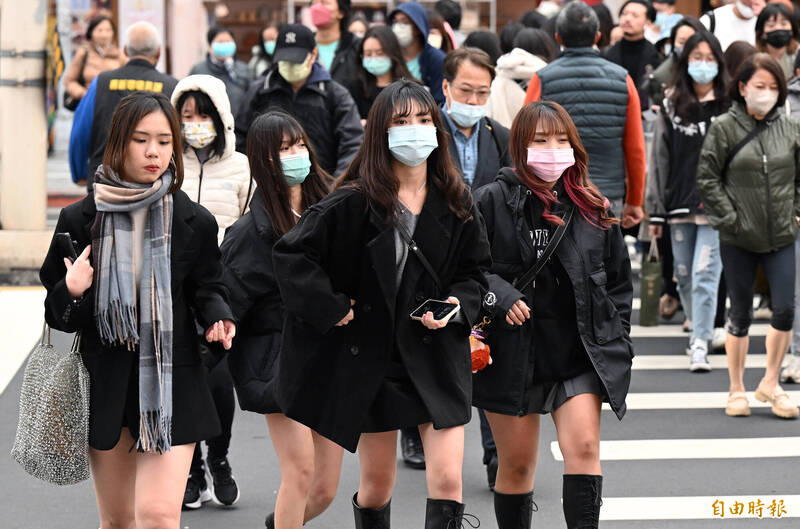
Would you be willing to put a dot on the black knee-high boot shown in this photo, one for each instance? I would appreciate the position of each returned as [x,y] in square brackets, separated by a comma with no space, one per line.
[514,511]
[582,495]
[371,518]
[445,514]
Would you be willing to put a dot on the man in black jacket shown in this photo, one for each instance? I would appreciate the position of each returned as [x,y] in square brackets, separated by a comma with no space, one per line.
[301,87]
[92,121]
[337,47]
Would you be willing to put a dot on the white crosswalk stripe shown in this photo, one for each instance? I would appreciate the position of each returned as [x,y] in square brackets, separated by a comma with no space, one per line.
[21,320]
[681,361]
[689,400]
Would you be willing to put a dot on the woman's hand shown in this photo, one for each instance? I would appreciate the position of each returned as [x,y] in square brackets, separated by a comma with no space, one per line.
[80,274]
[518,313]
[656,230]
[349,317]
[430,323]
[222,331]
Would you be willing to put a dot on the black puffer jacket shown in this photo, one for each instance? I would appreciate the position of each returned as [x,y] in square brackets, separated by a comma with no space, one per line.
[598,266]
[346,60]
[256,304]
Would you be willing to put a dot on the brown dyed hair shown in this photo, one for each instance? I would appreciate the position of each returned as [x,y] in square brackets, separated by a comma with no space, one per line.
[129,112]
[755,62]
[454,59]
[550,118]
[371,169]
[264,141]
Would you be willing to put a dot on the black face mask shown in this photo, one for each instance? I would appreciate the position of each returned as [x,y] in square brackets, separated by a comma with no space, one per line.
[778,38]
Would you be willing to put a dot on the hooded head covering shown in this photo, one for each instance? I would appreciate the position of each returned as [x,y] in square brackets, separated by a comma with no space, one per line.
[215,89]
[416,13]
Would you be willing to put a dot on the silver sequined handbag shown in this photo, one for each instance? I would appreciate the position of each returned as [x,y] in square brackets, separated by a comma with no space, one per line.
[52,441]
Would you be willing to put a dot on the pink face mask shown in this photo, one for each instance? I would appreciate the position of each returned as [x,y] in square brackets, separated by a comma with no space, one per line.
[550,164]
[320,15]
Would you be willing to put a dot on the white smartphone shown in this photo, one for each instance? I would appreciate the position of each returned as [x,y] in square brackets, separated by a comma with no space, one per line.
[442,310]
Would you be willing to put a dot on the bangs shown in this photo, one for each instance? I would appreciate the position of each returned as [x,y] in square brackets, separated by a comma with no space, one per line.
[548,122]
[292,130]
[410,97]
[202,104]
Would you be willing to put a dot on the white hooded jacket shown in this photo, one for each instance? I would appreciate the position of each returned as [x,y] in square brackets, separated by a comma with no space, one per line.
[222,183]
[507,96]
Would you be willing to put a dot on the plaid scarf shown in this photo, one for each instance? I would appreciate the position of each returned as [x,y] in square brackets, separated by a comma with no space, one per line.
[115,309]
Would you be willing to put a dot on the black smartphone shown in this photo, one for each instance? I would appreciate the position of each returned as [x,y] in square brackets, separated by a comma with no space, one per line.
[66,246]
[442,310]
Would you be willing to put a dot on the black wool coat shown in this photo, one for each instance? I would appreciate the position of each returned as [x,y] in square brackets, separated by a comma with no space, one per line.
[493,153]
[256,304]
[342,249]
[599,268]
[197,291]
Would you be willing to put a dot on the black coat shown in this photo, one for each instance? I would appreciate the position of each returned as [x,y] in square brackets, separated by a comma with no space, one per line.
[256,304]
[323,107]
[341,249]
[493,152]
[197,291]
[347,60]
[599,268]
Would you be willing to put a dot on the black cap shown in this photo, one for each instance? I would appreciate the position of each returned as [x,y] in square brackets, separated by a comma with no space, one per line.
[295,42]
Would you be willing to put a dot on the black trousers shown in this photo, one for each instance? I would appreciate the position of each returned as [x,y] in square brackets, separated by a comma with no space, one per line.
[221,384]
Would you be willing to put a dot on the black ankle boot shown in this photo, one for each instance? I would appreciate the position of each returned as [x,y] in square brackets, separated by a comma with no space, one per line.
[371,518]
[447,514]
[582,497]
[514,511]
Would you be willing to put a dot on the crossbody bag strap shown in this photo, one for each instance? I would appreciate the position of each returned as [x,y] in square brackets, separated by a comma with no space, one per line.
[412,246]
[760,127]
[522,282]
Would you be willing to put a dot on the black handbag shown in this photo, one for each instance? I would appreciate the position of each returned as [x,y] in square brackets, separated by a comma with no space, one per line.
[71,103]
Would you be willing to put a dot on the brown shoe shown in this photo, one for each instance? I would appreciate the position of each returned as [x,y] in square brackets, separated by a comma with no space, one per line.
[738,406]
[782,405]
[668,306]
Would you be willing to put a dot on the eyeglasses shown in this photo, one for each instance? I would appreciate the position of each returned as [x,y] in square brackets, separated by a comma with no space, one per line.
[465,93]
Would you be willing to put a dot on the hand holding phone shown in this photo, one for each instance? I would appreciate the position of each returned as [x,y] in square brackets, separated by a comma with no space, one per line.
[435,314]
[80,273]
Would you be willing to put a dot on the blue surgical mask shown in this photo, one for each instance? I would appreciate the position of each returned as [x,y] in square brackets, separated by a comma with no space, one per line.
[703,72]
[295,168]
[463,114]
[223,49]
[412,144]
[377,66]
[661,18]
[269,47]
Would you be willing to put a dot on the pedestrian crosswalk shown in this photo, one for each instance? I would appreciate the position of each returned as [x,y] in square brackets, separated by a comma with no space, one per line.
[21,320]
[676,425]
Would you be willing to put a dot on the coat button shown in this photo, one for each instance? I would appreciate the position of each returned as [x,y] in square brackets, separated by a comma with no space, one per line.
[354,350]
[367,308]
[426,340]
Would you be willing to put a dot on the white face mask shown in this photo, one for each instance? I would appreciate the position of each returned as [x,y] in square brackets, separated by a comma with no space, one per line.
[760,102]
[744,10]
[404,33]
[199,134]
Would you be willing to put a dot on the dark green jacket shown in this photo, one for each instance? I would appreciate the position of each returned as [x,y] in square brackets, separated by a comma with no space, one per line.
[755,204]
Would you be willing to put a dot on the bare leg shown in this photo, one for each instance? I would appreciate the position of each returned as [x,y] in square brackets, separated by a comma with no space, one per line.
[295,449]
[777,345]
[578,427]
[114,476]
[736,351]
[517,440]
[377,459]
[444,456]
[327,468]
[160,484]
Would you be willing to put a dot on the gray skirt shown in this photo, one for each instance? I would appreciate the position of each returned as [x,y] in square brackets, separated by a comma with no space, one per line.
[547,397]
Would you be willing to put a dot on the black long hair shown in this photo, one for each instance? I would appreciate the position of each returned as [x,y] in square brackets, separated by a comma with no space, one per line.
[371,169]
[260,51]
[204,105]
[264,141]
[391,48]
[682,96]
[776,10]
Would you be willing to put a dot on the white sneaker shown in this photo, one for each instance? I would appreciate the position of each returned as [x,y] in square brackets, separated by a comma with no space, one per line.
[791,373]
[718,338]
[699,350]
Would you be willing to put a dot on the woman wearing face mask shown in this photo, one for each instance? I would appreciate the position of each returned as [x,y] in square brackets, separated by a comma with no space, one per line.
[748,182]
[695,98]
[218,178]
[561,344]
[263,51]
[289,182]
[354,366]
[148,265]
[777,33]
[98,54]
[382,63]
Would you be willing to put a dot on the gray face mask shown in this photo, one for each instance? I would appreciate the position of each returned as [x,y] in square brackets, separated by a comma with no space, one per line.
[760,102]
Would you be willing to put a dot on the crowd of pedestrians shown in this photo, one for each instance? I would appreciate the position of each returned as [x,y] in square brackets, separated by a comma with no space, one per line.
[321,234]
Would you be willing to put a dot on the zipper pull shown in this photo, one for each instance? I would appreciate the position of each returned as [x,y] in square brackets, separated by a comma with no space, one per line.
[764,162]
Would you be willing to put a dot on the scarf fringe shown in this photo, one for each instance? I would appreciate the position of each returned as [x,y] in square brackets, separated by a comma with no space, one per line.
[118,325]
[155,432]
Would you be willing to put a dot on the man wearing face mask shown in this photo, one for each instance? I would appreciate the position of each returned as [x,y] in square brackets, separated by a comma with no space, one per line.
[221,62]
[734,21]
[300,86]
[337,47]
[410,25]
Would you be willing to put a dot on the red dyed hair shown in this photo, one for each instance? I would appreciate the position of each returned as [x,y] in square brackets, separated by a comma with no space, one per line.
[550,118]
